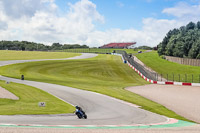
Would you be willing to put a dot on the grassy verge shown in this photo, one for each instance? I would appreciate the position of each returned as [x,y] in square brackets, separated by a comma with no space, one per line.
[104,74]
[28,101]
[108,50]
[25,55]
[165,68]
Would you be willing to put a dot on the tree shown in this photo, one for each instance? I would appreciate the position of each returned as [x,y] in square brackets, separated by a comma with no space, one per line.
[56,46]
[198,25]
[182,42]
[25,45]
[170,46]
[189,26]
[195,50]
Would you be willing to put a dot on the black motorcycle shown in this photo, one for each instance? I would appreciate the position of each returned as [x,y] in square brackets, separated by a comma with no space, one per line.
[81,114]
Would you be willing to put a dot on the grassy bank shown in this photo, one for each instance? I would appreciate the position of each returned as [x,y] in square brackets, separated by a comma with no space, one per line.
[26,55]
[104,74]
[165,67]
[100,50]
[28,101]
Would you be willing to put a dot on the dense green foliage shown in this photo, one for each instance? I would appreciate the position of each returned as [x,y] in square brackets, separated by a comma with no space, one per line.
[145,47]
[28,101]
[165,67]
[32,46]
[182,42]
[105,74]
[27,55]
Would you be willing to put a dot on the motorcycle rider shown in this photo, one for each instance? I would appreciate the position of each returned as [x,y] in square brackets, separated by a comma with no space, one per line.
[80,113]
[79,110]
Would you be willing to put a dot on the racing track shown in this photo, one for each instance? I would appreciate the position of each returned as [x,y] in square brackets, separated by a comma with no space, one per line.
[101,109]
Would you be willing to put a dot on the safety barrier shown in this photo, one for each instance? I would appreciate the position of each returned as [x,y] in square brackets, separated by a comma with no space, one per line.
[159,82]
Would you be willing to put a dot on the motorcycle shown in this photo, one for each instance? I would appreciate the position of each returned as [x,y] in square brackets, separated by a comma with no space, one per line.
[81,114]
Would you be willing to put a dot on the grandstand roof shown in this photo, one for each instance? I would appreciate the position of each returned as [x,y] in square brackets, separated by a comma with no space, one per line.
[118,45]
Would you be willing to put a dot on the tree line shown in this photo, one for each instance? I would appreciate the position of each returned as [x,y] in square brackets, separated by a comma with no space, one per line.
[145,47]
[32,46]
[183,42]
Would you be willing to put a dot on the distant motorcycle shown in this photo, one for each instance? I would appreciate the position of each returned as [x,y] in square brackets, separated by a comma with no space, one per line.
[80,113]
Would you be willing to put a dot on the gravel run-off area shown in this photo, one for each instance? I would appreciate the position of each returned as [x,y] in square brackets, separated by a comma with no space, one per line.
[6,94]
[184,100]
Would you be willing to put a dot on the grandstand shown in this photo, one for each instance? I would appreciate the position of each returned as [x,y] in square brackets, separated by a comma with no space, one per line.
[119,45]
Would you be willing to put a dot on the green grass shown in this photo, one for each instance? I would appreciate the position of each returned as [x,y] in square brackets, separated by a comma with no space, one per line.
[99,50]
[28,101]
[25,55]
[165,67]
[104,74]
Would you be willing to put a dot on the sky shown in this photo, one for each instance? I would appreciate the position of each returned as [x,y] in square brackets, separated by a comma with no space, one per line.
[94,22]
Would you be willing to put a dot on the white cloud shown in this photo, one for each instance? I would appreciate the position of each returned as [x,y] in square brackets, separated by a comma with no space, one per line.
[153,30]
[26,8]
[41,22]
[151,34]
[46,25]
[3,25]
[86,10]
[156,29]
[184,12]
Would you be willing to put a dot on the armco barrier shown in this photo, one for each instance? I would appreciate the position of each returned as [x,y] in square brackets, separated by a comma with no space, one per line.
[128,58]
[158,82]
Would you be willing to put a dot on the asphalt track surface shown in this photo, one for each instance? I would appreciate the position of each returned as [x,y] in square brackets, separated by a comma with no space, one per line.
[100,109]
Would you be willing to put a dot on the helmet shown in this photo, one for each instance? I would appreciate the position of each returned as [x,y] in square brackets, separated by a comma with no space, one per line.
[76,107]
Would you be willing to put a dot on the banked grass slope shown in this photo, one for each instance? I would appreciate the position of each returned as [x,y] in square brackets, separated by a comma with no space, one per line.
[161,66]
[104,74]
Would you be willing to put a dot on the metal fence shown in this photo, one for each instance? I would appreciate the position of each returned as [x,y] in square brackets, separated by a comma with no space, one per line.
[185,61]
[193,78]
[142,69]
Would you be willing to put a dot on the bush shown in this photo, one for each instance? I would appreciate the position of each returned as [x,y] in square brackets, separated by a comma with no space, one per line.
[163,57]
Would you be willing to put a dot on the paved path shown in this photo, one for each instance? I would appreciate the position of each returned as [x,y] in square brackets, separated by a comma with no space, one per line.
[184,100]
[83,56]
[101,109]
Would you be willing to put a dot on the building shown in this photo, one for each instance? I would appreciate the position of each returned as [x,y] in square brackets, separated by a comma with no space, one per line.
[119,45]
